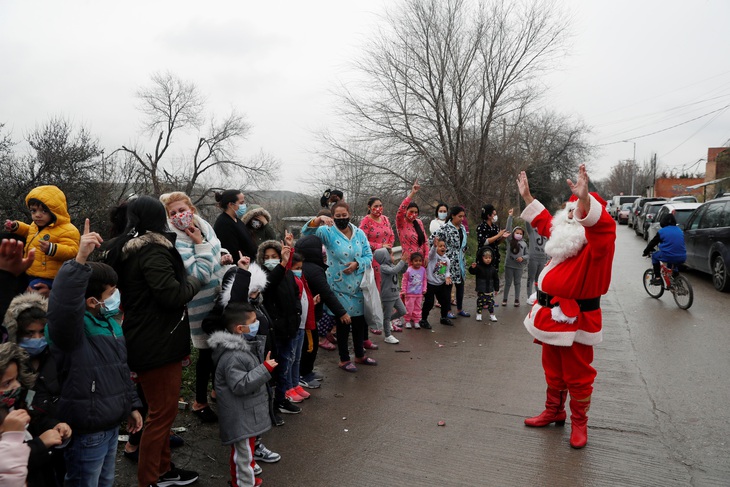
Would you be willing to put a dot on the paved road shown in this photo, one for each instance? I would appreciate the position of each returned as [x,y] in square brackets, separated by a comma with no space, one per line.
[659,415]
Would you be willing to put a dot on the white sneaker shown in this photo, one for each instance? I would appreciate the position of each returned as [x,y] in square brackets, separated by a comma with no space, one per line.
[492,318]
[416,325]
[479,317]
[408,325]
[391,339]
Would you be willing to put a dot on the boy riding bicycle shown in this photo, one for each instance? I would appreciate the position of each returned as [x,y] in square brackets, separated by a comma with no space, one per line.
[672,250]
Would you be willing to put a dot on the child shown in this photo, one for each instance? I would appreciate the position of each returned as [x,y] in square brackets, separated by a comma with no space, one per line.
[672,249]
[53,236]
[414,287]
[14,452]
[306,325]
[241,375]
[515,264]
[389,289]
[89,347]
[487,282]
[438,277]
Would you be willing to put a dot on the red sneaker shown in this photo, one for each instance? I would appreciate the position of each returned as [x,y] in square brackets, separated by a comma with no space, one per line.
[300,390]
[292,395]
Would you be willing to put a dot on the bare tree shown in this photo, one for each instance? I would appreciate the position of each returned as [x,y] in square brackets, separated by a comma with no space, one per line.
[619,180]
[438,77]
[172,106]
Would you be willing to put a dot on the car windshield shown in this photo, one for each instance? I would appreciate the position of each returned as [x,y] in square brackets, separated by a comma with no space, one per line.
[626,206]
[653,209]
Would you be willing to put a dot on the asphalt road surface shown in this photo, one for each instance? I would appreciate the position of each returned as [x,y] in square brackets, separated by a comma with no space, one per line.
[659,415]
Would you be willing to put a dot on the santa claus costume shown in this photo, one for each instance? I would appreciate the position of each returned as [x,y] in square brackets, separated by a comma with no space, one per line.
[566,318]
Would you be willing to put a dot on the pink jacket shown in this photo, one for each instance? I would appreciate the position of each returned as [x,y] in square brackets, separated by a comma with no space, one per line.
[14,455]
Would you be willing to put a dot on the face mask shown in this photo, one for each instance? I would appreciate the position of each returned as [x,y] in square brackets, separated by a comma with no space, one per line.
[110,306]
[182,220]
[8,398]
[495,219]
[271,263]
[342,223]
[517,236]
[253,329]
[241,210]
[256,224]
[297,272]
[376,212]
[442,215]
[411,216]
[34,346]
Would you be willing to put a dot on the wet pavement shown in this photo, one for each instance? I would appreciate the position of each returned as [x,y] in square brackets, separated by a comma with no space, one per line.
[659,415]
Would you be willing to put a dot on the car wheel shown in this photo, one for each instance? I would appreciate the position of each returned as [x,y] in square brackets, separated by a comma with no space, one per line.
[646,233]
[636,229]
[720,278]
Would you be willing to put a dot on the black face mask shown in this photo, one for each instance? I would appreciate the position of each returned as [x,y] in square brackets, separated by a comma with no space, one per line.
[342,223]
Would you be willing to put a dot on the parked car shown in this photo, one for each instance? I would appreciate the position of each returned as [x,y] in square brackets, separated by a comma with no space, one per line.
[609,208]
[638,206]
[646,216]
[681,211]
[707,236]
[683,199]
[618,202]
[623,214]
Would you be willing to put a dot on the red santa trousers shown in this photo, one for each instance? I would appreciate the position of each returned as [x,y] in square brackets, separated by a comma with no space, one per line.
[569,368]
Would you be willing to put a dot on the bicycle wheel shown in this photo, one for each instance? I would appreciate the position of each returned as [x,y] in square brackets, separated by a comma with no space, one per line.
[652,290]
[682,291]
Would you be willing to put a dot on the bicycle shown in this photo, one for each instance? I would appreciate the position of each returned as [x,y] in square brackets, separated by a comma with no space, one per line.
[671,281]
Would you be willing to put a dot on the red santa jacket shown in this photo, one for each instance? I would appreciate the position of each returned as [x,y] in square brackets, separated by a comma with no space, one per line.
[586,275]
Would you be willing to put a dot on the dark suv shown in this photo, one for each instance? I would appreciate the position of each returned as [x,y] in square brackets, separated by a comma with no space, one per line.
[707,235]
[637,207]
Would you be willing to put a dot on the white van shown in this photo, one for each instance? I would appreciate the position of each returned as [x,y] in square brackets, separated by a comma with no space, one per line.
[618,201]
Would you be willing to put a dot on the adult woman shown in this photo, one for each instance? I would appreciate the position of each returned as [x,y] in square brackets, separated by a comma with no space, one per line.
[200,250]
[441,214]
[488,233]
[411,233]
[233,234]
[258,221]
[378,232]
[348,256]
[454,235]
[155,289]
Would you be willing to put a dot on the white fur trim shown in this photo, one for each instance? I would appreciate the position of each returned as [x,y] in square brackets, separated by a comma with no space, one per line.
[558,315]
[259,280]
[560,338]
[594,213]
[531,211]
[230,341]
[532,299]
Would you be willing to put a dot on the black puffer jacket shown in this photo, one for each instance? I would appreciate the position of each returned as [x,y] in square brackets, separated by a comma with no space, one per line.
[310,247]
[97,392]
[155,291]
[281,297]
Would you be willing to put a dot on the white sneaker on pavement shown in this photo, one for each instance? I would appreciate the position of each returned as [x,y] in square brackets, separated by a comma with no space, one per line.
[479,317]
[492,318]
[391,339]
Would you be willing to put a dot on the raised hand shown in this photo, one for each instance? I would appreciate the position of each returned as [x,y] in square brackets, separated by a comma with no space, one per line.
[511,211]
[325,220]
[285,254]
[11,257]
[244,262]
[88,243]
[288,238]
[580,187]
[415,187]
[524,187]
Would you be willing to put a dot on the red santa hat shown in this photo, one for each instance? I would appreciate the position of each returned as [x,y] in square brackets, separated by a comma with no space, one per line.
[594,194]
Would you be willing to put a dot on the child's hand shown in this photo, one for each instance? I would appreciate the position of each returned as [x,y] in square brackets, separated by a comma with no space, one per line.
[16,420]
[285,253]
[448,281]
[9,224]
[244,262]
[519,259]
[45,246]
[51,438]
[405,256]
[473,265]
[226,259]
[415,187]
[134,422]
[511,211]
[316,299]
[64,430]
[89,241]
[11,257]
[288,238]
[505,234]
[270,361]
[40,288]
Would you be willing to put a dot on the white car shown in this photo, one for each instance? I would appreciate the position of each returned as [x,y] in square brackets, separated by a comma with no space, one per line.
[681,212]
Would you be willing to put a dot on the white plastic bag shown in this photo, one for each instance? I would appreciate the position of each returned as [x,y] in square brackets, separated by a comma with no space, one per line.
[373,307]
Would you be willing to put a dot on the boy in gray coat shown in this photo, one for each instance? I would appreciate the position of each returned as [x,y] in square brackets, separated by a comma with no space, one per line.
[389,289]
[240,384]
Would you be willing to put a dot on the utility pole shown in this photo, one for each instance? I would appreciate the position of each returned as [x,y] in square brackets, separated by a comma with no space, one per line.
[633,167]
[653,174]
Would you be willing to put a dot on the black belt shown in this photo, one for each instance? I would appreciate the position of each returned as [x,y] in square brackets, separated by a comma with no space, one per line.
[590,304]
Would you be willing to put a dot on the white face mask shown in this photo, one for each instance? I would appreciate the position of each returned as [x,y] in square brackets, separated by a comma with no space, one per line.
[442,215]
[495,219]
[271,263]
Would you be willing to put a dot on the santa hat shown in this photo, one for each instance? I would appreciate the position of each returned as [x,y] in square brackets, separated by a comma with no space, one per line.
[595,195]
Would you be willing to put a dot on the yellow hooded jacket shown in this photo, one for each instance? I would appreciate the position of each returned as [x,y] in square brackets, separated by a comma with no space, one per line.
[61,233]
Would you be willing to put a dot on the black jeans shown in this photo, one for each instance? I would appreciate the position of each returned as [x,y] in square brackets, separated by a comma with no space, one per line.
[442,294]
[358,325]
[311,340]
[204,373]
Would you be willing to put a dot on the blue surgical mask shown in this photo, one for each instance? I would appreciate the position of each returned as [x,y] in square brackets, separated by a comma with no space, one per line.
[241,210]
[271,263]
[297,272]
[442,215]
[110,306]
[253,329]
[34,346]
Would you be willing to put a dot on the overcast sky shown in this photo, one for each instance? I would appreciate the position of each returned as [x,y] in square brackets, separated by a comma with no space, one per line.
[637,67]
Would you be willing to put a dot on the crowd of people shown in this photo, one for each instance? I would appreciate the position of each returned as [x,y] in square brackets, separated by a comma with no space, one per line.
[96,330]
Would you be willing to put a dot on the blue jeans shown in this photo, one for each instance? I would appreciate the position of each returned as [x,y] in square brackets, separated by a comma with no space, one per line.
[285,358]
[297,344]
[90,459]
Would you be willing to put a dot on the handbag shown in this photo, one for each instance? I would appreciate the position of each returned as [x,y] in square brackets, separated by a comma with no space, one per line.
[373,307]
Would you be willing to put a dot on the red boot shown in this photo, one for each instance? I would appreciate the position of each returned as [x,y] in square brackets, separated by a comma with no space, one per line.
[554,410]
[579,422]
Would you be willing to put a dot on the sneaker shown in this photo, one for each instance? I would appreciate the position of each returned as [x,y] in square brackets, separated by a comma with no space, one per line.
[464,314]
[300,390]
[177,476]
[278,420]
[287,407]
[376,332]
[425,324]
[492,318]
[450,315]
[409,325]
[292,395]
[176,441]
[263,454]
[309,384]
[316,375]
[257,469]
[517,304]
[656,281]
[417,325]
[391,339]
[504,303]
[369,345]
[447,322]
[479,317]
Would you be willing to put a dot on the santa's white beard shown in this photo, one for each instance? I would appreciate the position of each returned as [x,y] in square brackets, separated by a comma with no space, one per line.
[567,237]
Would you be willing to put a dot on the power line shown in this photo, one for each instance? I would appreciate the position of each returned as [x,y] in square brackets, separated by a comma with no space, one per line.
[695,133]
